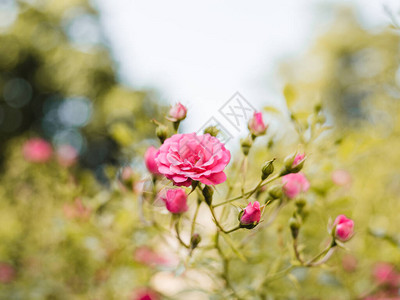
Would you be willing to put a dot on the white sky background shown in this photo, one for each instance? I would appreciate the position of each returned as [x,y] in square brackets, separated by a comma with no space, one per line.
[201,52]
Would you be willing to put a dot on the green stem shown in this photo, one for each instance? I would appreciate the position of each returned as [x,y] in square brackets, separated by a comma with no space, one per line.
[225,266]
[178,234]
[251,192]
[194,218]
[215,219]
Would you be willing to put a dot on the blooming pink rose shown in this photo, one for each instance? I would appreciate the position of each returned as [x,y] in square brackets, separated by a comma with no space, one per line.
[344,228]
[7,273]
[298,158]
[186,157]
[175,200]
[256,124]
[251,214]
[37,150]
[294,183]
[67,155]
[177,112]
[149,159]
[385,273]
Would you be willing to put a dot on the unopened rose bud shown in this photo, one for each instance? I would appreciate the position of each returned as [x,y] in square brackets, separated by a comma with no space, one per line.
[293,163]
[275,192]
[294,227]
[211,130]
[300,203]
[256,125]
[177,112]
[343,228]
[208,194]
[267,169]
[195,240]
[162,132]
[149,160]
[175,200]
[250,216]
[246,145]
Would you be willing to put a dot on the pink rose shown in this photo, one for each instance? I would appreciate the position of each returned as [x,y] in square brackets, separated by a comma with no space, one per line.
[295,183]
[344,228]
[37,150]
[186,157]
[256,125]
[67,155]
[298,159]
[175,200]
[149,159]
[251,214]
[177,112]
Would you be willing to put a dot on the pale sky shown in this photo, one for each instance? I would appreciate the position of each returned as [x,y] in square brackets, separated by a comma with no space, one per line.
[202,52]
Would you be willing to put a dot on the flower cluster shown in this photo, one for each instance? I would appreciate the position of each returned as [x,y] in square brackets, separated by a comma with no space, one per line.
[200,162]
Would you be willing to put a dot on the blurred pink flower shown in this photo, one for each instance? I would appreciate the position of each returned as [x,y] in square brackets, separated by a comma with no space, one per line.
[145,294]
[256,125]
[149,159]
[251,214]
[344,228]
[186,157]
[37,150]
[385,273]
[148,256]
[295,183]
[177,112]
[349,263]
[341,177]
[76,210]
[67,155]
[7,273]
[175,200]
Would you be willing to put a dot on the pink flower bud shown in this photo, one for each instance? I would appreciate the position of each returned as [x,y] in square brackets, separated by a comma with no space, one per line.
[175,200]
[177,112]
[344,228]
[67,155]
[151,164]
[251,215]
[37,150]
[256,125]
[294,183]
[298,158]
[7,273]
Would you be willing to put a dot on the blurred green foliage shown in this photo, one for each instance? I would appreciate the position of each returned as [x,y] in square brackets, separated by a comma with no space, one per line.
[57,80]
